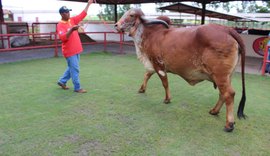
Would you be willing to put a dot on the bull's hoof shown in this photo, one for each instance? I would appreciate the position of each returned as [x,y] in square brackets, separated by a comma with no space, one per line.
[229,128]
[167,101]
[212,112]
[141,91]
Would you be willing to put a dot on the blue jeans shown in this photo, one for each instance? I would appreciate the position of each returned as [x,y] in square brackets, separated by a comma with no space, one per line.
[267,69]
[72,71]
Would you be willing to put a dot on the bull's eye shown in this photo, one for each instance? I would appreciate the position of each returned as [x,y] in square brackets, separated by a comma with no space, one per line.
[131,15]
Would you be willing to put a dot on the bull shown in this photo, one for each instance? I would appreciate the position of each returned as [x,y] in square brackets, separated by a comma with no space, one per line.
[207,52]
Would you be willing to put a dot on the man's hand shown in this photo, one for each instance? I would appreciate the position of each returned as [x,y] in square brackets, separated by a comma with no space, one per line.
[88,4]
[75,27]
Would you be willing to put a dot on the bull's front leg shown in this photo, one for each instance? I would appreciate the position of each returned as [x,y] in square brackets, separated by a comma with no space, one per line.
[160,70]
[163,76]
[147,76]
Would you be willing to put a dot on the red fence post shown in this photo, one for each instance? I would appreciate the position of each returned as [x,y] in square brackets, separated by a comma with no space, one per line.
[265,59]
[56,45]
[105,41]
[121,42]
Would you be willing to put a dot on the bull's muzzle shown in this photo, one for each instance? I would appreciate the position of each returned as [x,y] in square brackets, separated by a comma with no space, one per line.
[116,27]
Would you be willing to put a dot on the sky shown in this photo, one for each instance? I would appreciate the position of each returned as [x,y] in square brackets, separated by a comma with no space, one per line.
[47,5]
[47,10]
[54,5]
[38,7]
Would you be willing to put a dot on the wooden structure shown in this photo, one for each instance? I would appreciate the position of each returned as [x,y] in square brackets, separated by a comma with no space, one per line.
[1,12]
[183,8]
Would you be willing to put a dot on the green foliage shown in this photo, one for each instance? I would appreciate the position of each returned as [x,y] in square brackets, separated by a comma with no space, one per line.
[122,10]
[214,5]
[241,7]
[108,14]
[263,9]
[108,11]
[39,118]
[267,3]
[226,6]
[158,5]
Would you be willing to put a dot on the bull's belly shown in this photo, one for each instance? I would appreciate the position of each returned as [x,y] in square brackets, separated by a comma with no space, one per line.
[194,77]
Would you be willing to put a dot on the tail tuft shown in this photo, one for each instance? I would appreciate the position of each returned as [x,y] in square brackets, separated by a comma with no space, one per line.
[240,112]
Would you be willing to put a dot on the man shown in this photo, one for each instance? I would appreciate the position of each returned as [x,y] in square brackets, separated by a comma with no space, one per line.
[67,30]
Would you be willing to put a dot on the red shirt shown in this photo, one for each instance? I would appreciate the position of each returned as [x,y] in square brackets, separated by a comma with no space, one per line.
[72,45]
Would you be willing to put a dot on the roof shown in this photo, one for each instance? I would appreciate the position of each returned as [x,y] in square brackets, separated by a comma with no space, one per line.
[154,1]
[179,7]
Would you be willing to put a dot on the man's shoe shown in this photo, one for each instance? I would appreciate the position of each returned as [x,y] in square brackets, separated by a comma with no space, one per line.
[81,91]
[63,86]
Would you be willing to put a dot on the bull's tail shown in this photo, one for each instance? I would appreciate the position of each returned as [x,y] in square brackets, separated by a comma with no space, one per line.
[242,51]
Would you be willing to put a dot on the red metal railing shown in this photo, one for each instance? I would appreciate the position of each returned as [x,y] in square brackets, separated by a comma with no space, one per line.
[265,58]
[36,26]
[6,37]
[55,42]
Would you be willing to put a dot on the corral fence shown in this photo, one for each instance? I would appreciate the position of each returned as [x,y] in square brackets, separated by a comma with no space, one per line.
[21,36]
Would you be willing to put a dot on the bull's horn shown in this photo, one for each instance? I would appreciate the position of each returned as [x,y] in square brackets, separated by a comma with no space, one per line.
[154,21]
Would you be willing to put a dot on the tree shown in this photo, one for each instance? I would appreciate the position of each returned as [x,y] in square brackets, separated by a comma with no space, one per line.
[107,13]
[227,6]
[263,9]
[214,5]
[246,7]
[253,7]
[122,9]
[161,5]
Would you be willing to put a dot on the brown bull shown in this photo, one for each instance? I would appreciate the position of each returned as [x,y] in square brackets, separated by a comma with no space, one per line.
[207,52]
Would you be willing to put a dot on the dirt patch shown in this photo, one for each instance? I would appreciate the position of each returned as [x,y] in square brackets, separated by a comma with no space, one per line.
[67,139]
[93,147]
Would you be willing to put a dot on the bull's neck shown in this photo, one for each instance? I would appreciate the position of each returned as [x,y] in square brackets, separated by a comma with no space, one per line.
[137,38]
[137,34]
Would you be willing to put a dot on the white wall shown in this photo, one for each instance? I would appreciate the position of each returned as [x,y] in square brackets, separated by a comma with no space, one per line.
[249,40]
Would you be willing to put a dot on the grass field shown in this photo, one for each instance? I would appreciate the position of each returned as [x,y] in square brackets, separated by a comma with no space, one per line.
[37,118]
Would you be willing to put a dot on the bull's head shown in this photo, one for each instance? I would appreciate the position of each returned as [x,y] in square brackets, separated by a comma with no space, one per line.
[130,20]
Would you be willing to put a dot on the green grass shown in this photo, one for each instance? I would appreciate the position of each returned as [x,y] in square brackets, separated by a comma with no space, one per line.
[37,118]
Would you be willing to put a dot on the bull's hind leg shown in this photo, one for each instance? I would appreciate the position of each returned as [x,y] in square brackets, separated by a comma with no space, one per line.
[147,76]
[226,95]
